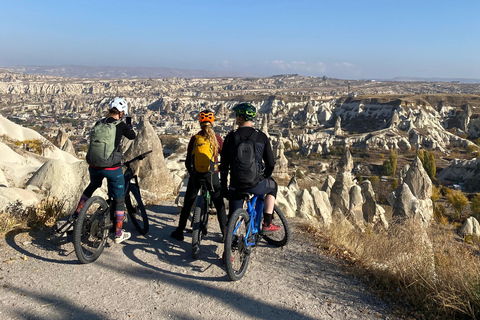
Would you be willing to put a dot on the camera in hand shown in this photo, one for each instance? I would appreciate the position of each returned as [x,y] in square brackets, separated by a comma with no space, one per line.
[128,120]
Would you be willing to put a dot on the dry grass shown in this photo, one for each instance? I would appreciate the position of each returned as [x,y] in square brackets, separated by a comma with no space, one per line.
[431,270]
[45,213]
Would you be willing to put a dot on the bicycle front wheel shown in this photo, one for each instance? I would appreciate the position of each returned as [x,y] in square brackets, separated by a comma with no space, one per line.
[91,229]
[281,237]
[237,254]
[136,210]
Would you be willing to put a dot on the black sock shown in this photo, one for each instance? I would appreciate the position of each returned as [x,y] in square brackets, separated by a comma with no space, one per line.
[267,218]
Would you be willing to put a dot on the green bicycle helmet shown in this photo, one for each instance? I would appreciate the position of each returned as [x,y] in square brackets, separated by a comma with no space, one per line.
[245,110]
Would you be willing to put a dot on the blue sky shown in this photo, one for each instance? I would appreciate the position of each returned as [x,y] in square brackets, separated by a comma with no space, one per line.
[347,39]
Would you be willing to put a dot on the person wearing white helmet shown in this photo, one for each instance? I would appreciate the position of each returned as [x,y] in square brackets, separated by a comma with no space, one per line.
[109,168]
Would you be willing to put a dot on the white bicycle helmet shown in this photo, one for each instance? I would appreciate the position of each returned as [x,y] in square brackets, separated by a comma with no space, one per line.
[120,104]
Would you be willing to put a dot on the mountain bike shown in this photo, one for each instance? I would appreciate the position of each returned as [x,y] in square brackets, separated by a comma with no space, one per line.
[96,220]
[200,219]
[244,232]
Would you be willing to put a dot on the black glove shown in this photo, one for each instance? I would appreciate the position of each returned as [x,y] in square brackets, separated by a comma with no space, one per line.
[130,126]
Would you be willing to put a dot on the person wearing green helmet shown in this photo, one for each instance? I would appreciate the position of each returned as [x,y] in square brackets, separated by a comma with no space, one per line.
[248,175]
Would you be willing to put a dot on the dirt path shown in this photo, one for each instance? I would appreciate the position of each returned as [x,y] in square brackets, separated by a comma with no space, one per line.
[155,278]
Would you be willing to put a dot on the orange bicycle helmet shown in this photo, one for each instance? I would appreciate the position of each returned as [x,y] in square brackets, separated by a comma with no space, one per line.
[206,115]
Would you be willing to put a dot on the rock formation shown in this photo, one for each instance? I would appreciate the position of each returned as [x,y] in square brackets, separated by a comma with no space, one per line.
[373,213]
[63,181]
[281,162]
[343,182]
[328,184]
[153,175]
[337,131]
[470,227]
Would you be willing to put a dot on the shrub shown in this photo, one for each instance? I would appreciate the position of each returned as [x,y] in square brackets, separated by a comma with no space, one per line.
[435,194]
[471,149]
[428,161]
[374,179]
[43,214]
[387,168]
[475,206]
[299,174]
[394,184]
[393,156]
[458,201]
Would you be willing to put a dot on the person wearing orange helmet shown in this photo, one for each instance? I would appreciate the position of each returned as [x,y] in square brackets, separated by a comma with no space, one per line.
[199,176]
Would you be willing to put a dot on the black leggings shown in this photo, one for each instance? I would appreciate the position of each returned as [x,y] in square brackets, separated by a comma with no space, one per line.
[194,184]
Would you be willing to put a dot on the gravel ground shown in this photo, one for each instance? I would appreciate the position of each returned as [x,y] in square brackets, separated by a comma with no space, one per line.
[154,277]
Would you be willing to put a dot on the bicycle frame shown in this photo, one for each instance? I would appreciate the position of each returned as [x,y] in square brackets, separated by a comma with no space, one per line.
[255,211]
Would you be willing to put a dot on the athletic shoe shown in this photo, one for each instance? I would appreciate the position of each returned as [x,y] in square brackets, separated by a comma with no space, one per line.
[124,236]
[270,228]
[177,234]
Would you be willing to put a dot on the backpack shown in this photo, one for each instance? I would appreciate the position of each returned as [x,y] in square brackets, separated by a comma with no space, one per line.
[245,169]
[203,158]
[101,150]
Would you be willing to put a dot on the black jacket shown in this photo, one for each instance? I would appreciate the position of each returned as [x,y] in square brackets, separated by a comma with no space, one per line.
[263,149]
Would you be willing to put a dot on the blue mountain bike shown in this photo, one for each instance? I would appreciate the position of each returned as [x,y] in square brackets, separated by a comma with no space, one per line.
[244,232]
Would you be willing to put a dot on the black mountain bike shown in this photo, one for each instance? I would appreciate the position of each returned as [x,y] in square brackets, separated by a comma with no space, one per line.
[96,220]
[200,219]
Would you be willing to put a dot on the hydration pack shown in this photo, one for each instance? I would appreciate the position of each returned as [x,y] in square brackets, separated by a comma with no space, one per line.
[101,150]
[245,169]
[203,158]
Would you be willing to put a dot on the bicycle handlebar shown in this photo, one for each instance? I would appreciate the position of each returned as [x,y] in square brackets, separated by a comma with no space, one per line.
[140,157]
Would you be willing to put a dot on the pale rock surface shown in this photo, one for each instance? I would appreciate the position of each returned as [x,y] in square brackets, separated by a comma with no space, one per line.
[68,147]
[404,203]
[305,205]
[403,173]
[64,181]
[17,132]
[470,227]
[372,211]
[15,168]
[337,131]
[11,195]
[323,208]
[293,185]
[328,184]
[418,180]
[281,162]
[339,193]
[154,176]
[61,138]
[282,203]
[355,212]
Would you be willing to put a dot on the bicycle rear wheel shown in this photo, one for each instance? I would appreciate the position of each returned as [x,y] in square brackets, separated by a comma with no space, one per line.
[237,254]
[136,210]
[197,230]
[91,229]
[281,237]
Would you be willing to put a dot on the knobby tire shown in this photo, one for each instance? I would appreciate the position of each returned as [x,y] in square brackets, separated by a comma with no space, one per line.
[136,210]
[90,233]
[196,234]
[281,237]
[237,255]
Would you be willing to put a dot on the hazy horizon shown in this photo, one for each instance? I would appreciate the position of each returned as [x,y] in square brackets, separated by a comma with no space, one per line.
[345,40]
